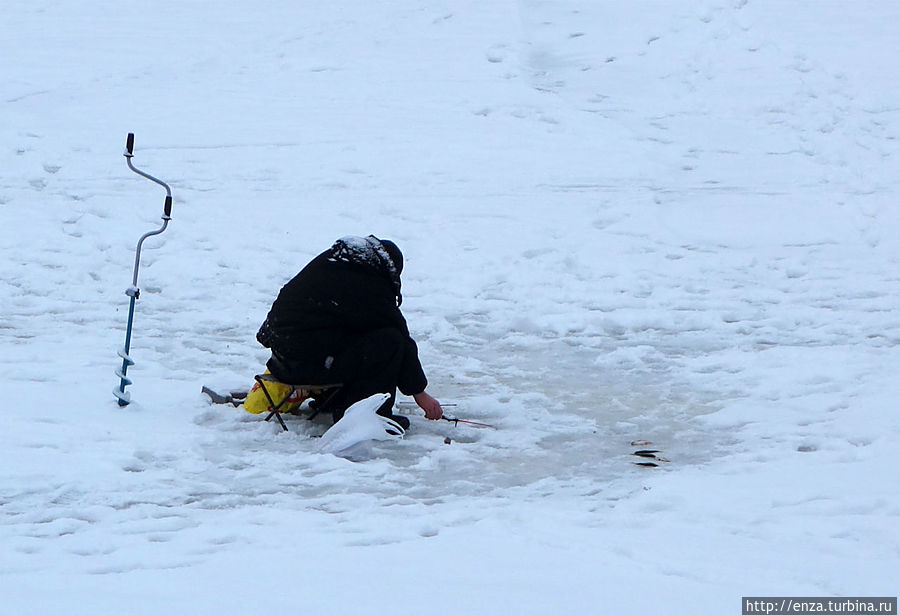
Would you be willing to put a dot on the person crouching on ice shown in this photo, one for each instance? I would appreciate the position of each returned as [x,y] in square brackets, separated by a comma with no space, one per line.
[339,321]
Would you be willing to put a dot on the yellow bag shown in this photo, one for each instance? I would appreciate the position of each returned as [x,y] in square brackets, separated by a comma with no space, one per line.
[256,402]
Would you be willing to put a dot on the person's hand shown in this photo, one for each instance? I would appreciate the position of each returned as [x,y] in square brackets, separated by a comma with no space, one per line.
[430,405]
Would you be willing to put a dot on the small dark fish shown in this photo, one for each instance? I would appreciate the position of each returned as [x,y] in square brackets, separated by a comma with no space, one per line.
[646,464]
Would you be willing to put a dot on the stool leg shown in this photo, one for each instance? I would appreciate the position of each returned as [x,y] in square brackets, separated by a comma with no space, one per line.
[277,416]
[272,405]
[325,404]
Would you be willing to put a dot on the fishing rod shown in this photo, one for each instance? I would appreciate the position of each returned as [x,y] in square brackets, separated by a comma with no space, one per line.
[456,421]
[452,419]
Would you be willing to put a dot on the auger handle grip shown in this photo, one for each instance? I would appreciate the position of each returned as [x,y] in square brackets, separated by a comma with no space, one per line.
[129,144]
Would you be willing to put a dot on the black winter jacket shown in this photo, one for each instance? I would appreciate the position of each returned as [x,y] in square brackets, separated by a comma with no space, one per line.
[331,303]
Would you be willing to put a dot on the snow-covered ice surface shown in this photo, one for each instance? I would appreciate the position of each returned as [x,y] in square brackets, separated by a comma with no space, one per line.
[671,221]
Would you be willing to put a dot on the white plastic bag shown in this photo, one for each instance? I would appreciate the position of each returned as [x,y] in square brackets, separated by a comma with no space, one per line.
[360,424]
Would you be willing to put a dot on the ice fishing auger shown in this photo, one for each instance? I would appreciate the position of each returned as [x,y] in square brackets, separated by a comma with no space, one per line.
[133,291]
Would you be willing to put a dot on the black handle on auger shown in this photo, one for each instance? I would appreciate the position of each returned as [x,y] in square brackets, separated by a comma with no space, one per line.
[129,154]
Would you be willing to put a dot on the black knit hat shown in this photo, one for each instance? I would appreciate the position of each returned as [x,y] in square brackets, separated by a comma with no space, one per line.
[394,252]
[393,268]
